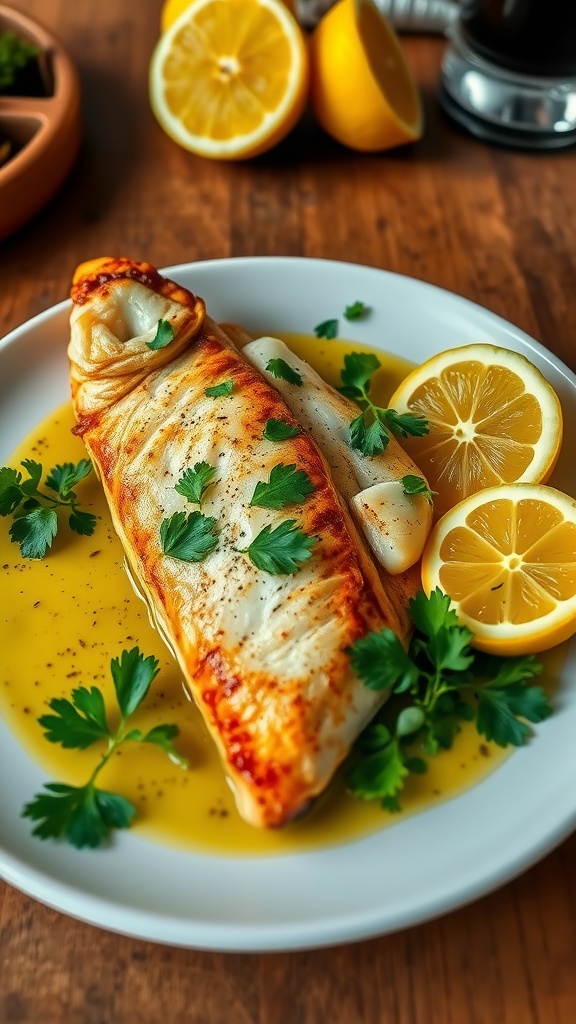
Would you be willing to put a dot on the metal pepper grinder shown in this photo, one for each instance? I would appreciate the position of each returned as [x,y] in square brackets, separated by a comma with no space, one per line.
[509,73]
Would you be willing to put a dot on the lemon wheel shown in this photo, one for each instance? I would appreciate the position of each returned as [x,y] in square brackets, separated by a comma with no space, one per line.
[493,418]
[506,556]
[228,79]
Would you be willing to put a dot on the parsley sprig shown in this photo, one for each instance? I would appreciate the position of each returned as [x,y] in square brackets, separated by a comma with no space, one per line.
[369,433]
[440,682]
[35,517]
[85,815]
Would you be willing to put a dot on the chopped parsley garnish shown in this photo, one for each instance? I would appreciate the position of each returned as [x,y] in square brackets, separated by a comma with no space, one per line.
[440,682]
[280,551]
[287,486]
[35,517]
[356,310]
[327,329]
[280,368]
[278,430]
[220,390]
[417,485]
[194,482]
[188,537]
[164,335]
[369,433]
[85,815]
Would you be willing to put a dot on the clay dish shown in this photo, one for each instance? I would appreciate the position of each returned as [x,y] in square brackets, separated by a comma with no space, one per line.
[44,131]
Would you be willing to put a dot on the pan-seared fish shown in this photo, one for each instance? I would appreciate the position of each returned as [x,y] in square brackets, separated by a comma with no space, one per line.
[263,654]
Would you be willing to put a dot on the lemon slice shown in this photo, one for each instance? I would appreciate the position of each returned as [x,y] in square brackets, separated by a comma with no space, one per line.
[507,558]
[361,88]
[228,79]
[493,419]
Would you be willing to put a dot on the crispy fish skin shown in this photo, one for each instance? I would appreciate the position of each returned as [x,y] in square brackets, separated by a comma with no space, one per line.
[264,656]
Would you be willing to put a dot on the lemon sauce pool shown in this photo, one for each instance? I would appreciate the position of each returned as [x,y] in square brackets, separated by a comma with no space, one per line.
[65,617]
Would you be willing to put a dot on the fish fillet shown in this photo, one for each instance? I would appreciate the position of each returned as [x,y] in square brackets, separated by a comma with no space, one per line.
[264,656]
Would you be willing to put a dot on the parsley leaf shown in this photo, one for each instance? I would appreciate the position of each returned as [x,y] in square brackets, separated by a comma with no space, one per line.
[226,387]
[162,736]
[417,485]
[359,368]
[356,310]
[132,674]
[165,333]
[85,815]
[278,430]
[505,700]
[369,432]
[370,440]
[286,486]
[194,482]
[64,478]
[381,773]
[327,329]
[83,523]
[436,682]
[10,491]
[281,551]
[76,724]
[35,518]
[380,661]
[280,368]
[190,538]
[35,531]
[405,423]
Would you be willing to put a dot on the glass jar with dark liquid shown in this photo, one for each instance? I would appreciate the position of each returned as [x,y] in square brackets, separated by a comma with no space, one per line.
[509,74]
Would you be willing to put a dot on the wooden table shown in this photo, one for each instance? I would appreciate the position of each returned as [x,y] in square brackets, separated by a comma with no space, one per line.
[496,226]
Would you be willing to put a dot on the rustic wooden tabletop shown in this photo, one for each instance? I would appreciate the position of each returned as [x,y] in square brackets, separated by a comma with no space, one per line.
[494,225]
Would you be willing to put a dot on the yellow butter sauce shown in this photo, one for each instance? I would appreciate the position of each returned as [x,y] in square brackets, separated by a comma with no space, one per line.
[64,618]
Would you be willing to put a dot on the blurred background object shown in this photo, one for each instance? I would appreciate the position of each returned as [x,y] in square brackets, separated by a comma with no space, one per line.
[404,15]
[40,125]
[509,74]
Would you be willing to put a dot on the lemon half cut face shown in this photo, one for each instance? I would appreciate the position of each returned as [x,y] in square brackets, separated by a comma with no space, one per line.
[229,78]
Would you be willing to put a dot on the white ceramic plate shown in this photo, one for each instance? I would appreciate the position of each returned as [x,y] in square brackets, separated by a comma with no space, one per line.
[422,866]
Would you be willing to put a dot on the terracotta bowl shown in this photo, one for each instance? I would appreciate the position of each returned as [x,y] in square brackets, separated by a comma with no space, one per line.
[44,131]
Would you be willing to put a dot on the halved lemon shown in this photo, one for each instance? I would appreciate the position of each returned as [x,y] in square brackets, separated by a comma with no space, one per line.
[362,90]
[507,558]
[493,419]
[229,78]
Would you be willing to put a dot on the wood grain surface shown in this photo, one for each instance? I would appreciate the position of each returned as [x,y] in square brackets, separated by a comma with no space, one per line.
[494,225]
